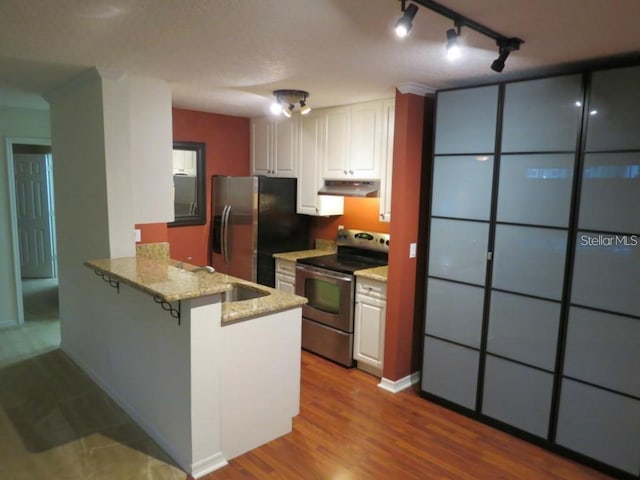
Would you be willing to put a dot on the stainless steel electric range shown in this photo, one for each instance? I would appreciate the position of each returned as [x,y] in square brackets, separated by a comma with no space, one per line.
[328,283]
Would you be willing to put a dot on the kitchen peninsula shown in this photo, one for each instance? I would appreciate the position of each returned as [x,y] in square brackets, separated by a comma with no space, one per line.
[206,363]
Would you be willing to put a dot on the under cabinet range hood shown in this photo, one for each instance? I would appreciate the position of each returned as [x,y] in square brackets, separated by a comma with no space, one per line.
[350,188]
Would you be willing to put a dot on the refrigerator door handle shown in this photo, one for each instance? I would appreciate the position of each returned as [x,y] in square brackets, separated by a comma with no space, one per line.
[222,232]
[225,233]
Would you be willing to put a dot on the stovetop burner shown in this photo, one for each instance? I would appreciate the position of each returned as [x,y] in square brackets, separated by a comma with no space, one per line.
[357,250]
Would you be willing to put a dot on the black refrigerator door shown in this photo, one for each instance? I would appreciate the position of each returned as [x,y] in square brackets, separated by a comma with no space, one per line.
[216,234]
[280,228]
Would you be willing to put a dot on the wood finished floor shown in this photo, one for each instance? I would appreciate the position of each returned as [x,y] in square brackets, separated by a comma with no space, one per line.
[350,429]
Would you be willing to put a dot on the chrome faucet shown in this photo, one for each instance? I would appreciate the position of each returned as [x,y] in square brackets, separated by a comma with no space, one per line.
[206,268]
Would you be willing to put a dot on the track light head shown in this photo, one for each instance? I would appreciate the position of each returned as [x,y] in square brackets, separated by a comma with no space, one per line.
[276,107]
[304,108]
[453,45]
[498,63]
[405,22]
[288,111]
[505,47]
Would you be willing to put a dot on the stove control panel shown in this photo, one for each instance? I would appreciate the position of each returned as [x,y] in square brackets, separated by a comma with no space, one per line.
[361,239]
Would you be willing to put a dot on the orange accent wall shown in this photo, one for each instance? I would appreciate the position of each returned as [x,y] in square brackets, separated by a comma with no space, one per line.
[227,142]
[359,213]
[153,232]
[406,277]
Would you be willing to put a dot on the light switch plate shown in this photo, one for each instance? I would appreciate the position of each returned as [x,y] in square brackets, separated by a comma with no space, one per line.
[138,235]
[412,250]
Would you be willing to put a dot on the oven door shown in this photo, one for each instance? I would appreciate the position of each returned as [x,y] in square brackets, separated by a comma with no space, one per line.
[330,296]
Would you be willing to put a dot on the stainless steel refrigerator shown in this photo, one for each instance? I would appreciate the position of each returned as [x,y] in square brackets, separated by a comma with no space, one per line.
[253,218]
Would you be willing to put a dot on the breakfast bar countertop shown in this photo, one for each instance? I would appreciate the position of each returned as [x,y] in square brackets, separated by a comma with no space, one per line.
[172,281]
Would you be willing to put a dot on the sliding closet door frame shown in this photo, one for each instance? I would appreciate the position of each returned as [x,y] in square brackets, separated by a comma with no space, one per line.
[570,254]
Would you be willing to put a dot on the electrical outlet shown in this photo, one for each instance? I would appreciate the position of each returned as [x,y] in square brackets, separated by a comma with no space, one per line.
[412,250]
[340,227]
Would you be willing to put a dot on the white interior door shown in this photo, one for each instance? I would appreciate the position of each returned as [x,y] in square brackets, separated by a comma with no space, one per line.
[35,215]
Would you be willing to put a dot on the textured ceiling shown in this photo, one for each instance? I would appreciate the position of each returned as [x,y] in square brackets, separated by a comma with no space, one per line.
[227,56]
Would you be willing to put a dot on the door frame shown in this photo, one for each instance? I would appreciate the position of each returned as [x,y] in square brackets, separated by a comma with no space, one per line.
[13,214]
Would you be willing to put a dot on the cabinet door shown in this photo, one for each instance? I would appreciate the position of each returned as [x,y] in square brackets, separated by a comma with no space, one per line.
[285,284]
[285,144]
[261,136]
[336,142]
[386,173]
[366,140]
[369,331]
[309,165]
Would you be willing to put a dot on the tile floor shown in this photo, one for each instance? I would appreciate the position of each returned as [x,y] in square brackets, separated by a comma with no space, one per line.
[55,423]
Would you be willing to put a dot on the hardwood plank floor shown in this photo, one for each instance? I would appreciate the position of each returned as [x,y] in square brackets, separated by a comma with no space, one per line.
[349,429]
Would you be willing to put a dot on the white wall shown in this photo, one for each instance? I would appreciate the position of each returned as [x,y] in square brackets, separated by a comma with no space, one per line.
[97,191]
[151,149]
[165,375]
[14,122]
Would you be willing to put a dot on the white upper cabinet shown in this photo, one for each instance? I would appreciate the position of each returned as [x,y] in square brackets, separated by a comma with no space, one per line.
[367,134]
[354,137]
[388,125]
[336,123]
[274,146]
[312,147]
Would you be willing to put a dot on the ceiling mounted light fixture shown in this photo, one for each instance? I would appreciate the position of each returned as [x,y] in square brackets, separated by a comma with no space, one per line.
[505,47]
[405,22]
[286,100]
[453,44]
[506,44]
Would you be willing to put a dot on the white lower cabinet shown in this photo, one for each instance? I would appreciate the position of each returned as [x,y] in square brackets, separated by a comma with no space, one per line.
[369,324]
[285,276]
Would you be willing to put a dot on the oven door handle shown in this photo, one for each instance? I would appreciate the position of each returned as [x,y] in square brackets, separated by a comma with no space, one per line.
[324,273]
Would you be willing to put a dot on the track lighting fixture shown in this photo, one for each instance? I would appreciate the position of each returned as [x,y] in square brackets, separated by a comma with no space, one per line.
[506,45]
[453,45]
[405,22]
[286,100]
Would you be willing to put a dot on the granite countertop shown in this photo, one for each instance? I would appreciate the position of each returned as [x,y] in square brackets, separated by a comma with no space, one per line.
[163,278]
[377,273]
[294,256]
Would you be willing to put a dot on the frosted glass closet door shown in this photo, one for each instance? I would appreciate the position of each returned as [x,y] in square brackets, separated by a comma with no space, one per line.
[615,110]
[459,237]
[462,187]
[529,255]
[599,412]
[542,115]
[466,120]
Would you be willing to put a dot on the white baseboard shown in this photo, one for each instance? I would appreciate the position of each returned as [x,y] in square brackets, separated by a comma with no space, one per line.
[208,465]
[399,385]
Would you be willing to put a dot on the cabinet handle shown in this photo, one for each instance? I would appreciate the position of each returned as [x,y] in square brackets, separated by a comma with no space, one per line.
[344,171]
[351,172]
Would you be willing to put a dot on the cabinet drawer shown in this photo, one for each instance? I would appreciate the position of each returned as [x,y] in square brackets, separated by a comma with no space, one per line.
[286,267]
[371,288]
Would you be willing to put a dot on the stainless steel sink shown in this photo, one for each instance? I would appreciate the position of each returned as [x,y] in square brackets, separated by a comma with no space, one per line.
[239,292]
